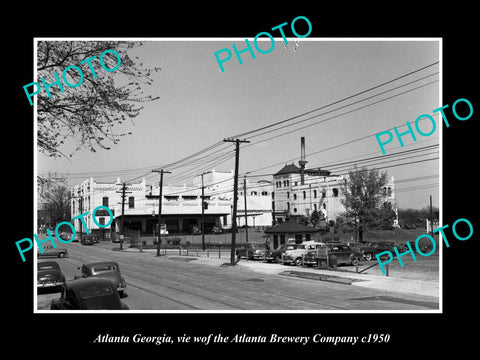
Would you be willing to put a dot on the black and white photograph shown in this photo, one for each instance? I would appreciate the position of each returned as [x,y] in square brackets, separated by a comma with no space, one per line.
[268,182]
[332,173]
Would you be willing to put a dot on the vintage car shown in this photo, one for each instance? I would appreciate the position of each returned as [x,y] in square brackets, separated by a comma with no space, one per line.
[370,248]
[217,230]
[295,256]
[333,253]
[88,294]
[105,269]
[49,275]
[276,254]
[252,251]
[88,239]
[50,251]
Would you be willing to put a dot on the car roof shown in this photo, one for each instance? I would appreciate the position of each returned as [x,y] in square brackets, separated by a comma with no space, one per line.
[81,283]
[47,263]
[97,263]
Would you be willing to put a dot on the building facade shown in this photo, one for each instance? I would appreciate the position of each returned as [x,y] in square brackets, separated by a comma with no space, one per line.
[300,191]
[181,205]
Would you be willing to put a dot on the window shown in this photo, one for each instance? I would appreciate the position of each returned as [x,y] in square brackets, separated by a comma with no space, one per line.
[284,183]
[315,206]
[295,210]
[294,196]
[105,201]
[288,182]
[304,195]
[131,202]
[296,183]
[314,194]
[264,193]
[335,192]
[253,193]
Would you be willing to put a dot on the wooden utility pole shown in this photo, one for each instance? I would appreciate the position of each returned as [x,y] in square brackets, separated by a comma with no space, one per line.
[431,216]
[122,223]
[245,205]
[160,207]
[203,211]
[235,192]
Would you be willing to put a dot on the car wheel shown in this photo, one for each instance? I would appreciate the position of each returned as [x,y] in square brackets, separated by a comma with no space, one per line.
[278,259]
[61,255]
[355,261]
[368,256]
[298,261]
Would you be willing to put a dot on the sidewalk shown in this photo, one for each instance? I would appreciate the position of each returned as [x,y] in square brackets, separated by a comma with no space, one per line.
[379,282]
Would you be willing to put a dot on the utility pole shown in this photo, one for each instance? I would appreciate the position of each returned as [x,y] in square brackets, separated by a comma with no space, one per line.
[203,211]
[160,206]
[245,205]
[122,223]
[431,216]
[80,208]
[235,192]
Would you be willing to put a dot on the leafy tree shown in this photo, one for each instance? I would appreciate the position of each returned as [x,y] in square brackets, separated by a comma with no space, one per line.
[89,112]
[315,218]
[363,197]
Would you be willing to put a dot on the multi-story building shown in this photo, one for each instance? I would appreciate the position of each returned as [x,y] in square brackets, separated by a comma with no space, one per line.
[181,205]
[299,191]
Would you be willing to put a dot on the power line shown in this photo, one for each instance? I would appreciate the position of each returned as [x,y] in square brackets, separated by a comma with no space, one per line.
[335,102]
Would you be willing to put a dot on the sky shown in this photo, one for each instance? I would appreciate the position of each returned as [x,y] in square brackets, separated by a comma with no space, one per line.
[199,105]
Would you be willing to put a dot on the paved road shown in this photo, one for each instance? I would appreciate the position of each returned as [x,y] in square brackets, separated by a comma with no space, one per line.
[185,283]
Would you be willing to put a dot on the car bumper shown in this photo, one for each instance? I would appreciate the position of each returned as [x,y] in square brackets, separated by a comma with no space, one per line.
[49,284]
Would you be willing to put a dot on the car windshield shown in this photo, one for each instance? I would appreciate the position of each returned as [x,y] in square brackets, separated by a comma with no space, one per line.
[258,246]
[48,266]
[106,267]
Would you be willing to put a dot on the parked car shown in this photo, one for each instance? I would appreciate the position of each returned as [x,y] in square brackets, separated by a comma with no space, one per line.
[295,256]
[88,239]
[276,254]
[49,275]
[67,236]
[195,230]
[216,230]
[343,253]
[88,294]
[252,251]
[370,248]
[49,251]
[105,269]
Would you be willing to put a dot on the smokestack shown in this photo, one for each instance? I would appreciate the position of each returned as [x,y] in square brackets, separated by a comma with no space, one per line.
[302,161]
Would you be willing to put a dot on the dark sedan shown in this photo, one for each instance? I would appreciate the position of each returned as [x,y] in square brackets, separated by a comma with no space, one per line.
[88,294]
[370,248]
[105,269]
[276,254]
[49,275]
[343,254]
[252,251]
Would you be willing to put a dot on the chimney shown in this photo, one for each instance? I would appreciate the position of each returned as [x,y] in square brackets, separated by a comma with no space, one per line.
[302,161]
